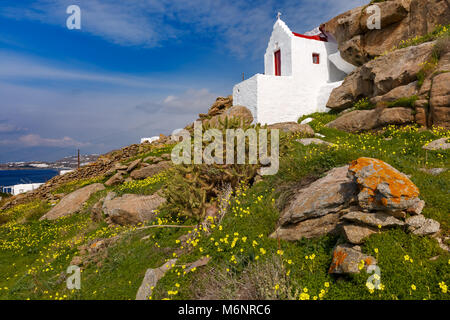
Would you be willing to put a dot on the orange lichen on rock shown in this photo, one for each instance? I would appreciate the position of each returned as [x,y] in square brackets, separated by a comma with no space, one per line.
[368,261]
[338,258]
[382,185]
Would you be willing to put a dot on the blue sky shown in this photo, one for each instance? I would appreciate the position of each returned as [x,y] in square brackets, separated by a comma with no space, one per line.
[135,69]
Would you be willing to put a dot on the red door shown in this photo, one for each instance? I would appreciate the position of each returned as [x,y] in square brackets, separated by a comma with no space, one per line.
[277,56]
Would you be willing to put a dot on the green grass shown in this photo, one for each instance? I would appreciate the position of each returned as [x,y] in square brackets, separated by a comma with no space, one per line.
[34,254]
[254,215]
[77,184]
[145,187]
[406,102]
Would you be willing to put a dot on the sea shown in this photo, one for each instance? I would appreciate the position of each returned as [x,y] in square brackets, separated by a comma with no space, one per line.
[13,177]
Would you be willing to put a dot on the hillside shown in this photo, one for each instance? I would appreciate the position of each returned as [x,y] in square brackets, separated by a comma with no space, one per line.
[359,208]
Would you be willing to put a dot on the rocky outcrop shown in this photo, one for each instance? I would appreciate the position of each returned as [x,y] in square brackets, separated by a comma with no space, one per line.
[150,170]
[293,127]
[131,209]
[239,112]
[356,201]
[362,120]
[221,104]
[394,74]
[377,78]
[400,20]
[73,202]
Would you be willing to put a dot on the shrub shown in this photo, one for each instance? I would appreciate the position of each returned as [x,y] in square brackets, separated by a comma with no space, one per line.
[192,187]
[437,33]
[364,104]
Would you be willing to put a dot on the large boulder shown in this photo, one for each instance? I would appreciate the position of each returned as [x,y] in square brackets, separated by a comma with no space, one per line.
[131,208]
[240,112]
[327,195]
[383,187]
[293,127]
[150,170]
[73,202]
[440,100]
[220,105]
[361,120]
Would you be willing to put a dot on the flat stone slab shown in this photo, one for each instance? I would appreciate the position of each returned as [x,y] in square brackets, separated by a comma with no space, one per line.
[308,229]
[151,278]
[73,202]
[373,219]
[309,141]
[440,144]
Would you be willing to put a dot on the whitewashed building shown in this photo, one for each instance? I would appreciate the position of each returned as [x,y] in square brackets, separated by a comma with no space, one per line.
[150,140]
[21,188]
[300,71]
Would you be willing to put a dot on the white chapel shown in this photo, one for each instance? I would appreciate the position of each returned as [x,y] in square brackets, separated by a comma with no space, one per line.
[300,71]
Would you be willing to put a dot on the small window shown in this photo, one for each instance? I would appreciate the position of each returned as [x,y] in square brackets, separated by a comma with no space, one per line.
[316,58]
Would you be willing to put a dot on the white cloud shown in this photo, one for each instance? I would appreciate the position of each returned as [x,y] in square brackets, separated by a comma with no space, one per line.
[6,127]
[17,67]
[190,101]
[35,140]
[239,26]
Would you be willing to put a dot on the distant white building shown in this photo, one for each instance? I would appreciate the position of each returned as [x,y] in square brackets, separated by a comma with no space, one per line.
[300,73]
[21,188]
[150,140]
[64,171]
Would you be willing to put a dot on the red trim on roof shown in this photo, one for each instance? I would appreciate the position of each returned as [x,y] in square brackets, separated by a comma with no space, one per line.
[318,37]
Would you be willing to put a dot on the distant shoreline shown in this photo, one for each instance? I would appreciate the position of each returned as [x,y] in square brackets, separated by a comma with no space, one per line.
[32,168]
